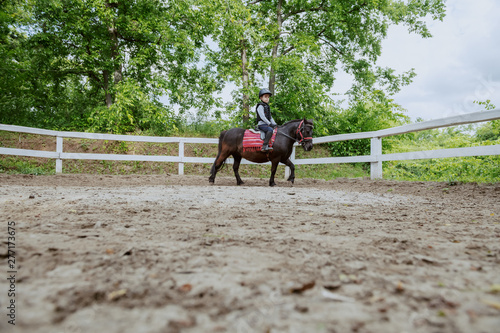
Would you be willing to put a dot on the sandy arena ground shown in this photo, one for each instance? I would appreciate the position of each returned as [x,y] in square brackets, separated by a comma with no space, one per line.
[168,253]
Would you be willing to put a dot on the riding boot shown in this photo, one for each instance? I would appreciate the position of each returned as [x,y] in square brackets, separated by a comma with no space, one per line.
[265,145]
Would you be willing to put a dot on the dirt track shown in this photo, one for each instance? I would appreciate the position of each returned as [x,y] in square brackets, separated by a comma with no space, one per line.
[173,254]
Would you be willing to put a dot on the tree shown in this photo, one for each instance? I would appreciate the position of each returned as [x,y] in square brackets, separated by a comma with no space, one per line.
[238,55]
[105,48]
[13,85]
[304,43]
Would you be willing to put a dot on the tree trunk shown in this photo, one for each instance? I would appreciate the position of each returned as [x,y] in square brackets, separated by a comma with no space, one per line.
[244,72]
[117,72]
[109,100]
[117,75]
[272,74]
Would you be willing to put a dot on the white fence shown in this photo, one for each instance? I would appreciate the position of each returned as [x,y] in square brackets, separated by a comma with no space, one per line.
[375,158]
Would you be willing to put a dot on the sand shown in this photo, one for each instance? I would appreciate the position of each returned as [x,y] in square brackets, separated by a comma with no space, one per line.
[168,253]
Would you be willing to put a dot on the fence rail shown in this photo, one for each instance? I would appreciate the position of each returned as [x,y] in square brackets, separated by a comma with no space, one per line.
[375,158]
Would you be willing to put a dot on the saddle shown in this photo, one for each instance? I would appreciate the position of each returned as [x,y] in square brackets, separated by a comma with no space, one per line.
[253,139]
[258,131]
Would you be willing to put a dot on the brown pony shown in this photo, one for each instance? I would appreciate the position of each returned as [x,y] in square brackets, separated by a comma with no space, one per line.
[231,143]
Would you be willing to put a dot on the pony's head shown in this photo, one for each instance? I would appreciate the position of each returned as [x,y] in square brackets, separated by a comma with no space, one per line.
[305,133]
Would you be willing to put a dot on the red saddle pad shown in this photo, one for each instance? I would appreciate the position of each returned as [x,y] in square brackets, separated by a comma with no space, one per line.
[252,141]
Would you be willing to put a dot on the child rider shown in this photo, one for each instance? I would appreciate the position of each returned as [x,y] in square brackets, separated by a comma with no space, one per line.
[265,120]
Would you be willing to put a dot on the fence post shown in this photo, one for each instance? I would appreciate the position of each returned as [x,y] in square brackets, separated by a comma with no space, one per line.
[181,155]
[59,150]
[376,152]
[292,158]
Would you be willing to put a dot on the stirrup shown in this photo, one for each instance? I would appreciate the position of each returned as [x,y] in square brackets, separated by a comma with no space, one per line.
[266,149]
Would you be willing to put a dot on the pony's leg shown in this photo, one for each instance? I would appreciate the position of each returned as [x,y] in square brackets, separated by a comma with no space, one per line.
[219,160]
[274,167]
[213,172]
[289,164]
[236,167]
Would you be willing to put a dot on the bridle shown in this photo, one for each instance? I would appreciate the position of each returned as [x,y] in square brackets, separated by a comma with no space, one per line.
[298,134]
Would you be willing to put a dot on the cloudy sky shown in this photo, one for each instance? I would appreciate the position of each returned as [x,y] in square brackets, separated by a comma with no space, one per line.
[458,65]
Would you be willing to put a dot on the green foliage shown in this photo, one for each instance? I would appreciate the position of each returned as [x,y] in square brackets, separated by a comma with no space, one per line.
[14,102]
[374,113]
[68,60]
[298,94]
[490,130]
[331,171]
[20,165]
[480,169]
[205,128]
[133,110]
[487,104]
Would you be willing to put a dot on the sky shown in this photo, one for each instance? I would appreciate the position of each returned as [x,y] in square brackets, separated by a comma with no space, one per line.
[458,65]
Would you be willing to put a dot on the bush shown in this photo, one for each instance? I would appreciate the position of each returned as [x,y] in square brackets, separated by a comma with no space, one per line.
[133,110]
[374,112]
[480,169]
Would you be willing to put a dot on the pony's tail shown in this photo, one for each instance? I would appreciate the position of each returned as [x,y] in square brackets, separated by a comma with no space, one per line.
[221,137]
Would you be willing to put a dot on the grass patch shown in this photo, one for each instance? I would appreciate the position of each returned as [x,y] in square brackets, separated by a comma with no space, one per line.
[478,169]
[332,171]
[27,165]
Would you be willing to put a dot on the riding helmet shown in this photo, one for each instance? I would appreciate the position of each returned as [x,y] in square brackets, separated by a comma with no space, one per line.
[264,91]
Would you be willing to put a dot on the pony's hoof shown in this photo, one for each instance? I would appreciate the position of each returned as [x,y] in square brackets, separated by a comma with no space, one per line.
[272,184]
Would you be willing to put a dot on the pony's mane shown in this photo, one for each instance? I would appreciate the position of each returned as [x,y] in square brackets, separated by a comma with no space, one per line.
[294,121]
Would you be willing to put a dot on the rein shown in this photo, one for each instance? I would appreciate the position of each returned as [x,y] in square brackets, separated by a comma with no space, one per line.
[297,133]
